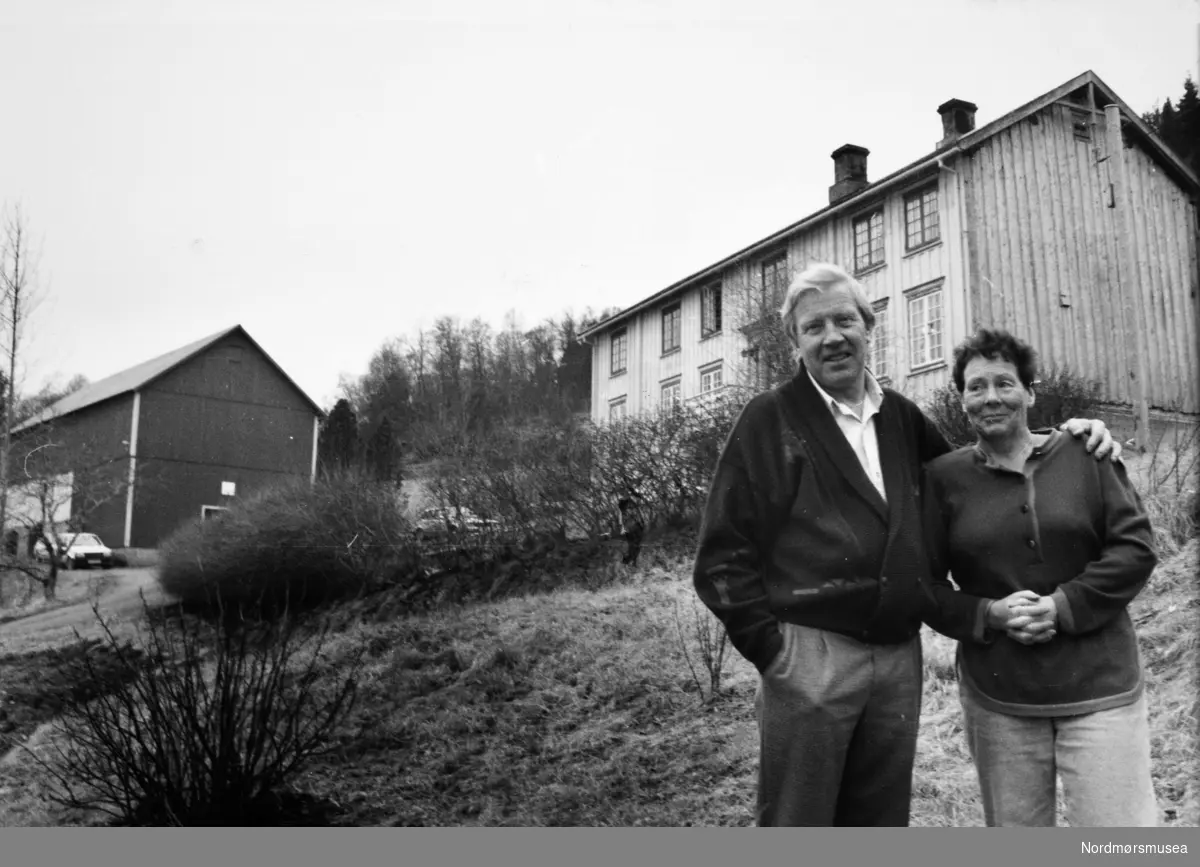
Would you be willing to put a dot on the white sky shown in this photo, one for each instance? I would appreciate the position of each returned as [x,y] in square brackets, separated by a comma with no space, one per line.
[330,175]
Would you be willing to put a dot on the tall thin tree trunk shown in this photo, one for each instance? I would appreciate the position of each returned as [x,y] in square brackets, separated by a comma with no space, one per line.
[12,292]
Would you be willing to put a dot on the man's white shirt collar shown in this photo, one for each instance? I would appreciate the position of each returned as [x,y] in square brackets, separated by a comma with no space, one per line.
[873,401]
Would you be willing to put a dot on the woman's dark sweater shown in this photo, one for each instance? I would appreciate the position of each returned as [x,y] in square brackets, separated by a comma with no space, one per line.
[1069,527]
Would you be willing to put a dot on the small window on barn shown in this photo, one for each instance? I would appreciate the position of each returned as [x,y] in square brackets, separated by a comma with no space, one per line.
[1081,125]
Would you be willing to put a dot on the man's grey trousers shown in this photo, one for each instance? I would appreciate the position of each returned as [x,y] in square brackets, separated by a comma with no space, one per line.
[838,722]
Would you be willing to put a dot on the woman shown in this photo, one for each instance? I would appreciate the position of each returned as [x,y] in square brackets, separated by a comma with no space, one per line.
[1048,548]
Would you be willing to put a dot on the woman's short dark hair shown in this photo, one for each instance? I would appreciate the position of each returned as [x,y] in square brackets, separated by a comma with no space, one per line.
[996,343]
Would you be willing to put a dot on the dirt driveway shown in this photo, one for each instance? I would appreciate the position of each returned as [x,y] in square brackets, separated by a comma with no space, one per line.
[119,598]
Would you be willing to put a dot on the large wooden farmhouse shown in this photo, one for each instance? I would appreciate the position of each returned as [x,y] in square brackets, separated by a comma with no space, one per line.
[1009,225]
[174,438]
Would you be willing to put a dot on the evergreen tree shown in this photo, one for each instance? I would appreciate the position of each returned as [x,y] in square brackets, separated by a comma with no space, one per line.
[382,454]
[337,448]
[1179,125]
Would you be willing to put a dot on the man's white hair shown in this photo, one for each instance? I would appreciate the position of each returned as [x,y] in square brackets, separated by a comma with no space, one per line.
[821,277]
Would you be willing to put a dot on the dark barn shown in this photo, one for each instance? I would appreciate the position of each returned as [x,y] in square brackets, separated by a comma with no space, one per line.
[175,438]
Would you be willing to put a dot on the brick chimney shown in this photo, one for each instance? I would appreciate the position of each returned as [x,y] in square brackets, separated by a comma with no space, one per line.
[958,119]
[849,172]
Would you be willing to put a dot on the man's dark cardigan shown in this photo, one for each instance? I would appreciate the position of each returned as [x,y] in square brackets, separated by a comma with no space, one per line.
[794,530]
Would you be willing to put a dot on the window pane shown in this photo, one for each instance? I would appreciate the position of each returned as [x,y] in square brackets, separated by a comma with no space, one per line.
[930,208]
[879,354]
[934,318]
[912,222]
[774,277]
[877,238]
[620,351]
[710,310]
[862,244]
[670,329]
[916,307]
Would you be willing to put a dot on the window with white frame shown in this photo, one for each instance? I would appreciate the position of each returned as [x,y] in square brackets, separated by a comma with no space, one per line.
[616,410]
[672,396]
[774,278]
[925,326]
[921,218]
[711,378]
[881,343]
[710,309]
[868,240]
[672,321]
[620,351]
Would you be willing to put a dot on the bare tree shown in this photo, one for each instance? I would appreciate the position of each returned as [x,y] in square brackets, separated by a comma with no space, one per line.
[59,482]
[753,297]
[18,298]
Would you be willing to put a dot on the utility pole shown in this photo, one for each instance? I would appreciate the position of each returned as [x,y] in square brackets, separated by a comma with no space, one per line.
[1127,259]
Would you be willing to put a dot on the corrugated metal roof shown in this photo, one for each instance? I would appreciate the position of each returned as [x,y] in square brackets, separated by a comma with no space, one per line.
[141,375]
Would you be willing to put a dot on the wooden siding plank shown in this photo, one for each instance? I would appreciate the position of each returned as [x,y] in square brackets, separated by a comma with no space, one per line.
[1166,386]
[1076,253]
[1079,257]
[1183,306]
[1045,320]
[971,211]
[1010,239]
[1054,184]
[1179,249]
[993,276]
[1144,289]
[1100,220]
[1172,349]
[1191,288]
[1166,229]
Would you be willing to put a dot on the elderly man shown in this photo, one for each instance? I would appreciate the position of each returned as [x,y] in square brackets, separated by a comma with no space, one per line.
[811,553]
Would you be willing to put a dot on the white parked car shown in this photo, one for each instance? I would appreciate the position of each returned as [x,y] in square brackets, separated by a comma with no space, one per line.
[79,549]
[443,520]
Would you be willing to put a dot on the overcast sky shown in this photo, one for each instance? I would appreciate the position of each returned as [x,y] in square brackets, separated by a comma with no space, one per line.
[331,175]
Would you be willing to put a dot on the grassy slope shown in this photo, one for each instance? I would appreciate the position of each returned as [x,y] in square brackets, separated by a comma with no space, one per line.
[578,709]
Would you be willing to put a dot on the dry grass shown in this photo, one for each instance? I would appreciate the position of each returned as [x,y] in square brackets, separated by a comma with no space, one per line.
[1167,475]
[20,597]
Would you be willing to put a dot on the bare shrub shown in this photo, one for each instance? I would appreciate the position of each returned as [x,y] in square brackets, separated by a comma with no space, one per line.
[1169,478]
[1061,395]
[567,476]
[212,722]
[309,542]
[711,641]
